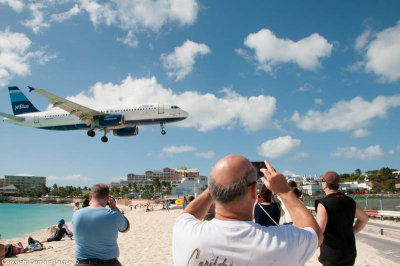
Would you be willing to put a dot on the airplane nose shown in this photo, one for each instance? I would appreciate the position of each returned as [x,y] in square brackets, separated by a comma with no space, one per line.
[185,114]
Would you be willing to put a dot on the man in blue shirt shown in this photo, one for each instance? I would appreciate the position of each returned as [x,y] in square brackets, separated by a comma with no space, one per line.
[96,229]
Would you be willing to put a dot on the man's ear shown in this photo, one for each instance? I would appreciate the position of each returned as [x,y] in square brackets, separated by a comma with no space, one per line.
[90,196]
[254,191]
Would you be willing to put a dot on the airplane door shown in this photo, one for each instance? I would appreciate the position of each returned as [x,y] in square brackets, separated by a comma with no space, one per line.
[160,109]
[36,119]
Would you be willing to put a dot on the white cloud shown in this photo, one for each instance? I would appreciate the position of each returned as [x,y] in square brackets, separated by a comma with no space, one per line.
[171,150]
[371,152]
[136,14]
[130,39]
[253,113]
[271,51]
[362,40]
[61,17]
[288,173]
[344,116]
[382,53]
[15,56]
[205,155]
[398,147]
[359,133]
[318,101]
[180,63]
[391,152]
[301,156]
[38,21]
[278,147]
[17,5]
[305,87]
[74,180]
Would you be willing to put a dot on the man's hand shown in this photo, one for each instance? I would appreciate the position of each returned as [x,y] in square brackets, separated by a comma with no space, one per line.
[274,180]
[112,203]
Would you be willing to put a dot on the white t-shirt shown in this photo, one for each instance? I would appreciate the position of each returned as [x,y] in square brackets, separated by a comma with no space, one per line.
[286,217]
[213,242]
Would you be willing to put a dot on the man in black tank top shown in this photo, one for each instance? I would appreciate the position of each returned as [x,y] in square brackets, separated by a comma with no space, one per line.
[335,216]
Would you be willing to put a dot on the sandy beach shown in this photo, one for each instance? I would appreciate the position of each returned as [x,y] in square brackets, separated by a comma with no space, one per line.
[149,243]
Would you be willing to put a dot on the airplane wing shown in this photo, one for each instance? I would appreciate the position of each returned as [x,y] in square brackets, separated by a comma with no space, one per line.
[84,113]
[13,117]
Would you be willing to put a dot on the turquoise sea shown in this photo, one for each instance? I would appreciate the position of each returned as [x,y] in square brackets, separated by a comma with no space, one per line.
[17,220]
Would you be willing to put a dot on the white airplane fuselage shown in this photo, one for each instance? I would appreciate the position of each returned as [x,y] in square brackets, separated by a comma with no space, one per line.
[132,116]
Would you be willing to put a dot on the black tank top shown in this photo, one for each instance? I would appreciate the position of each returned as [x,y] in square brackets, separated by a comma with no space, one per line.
[339,246]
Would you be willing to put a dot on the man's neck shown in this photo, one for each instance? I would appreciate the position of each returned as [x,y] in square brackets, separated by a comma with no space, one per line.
[232,214]
[94,204]
[330,191]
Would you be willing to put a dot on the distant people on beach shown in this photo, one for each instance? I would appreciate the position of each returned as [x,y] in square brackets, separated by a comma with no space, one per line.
[76,206]
[232,237]
[267,212]
[96,229]
[11,250]
[335,215]
[190,199]
[167,206]
[58,234]
[53,229]
[85,203]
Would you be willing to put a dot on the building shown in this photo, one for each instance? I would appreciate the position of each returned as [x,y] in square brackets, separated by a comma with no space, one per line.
[172,176]
[354,185]
[28,182]
[311,189]
[192,186]
[8,190]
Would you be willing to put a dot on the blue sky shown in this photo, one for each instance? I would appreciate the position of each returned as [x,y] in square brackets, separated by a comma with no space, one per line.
[311,86]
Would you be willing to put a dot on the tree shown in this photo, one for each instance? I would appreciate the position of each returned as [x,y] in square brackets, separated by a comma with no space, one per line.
[124,191]
[357,171]
[157,184]
[115,191]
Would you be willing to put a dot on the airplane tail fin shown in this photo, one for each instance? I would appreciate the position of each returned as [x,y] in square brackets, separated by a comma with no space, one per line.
[19,102]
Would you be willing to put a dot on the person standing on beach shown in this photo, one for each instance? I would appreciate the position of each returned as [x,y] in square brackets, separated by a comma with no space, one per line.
[96,229]
[335,216]
[232,238]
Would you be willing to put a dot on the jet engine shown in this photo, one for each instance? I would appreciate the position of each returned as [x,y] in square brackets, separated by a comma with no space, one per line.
[126,132]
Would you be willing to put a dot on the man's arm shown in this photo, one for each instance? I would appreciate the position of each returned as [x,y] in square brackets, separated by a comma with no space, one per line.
[200,206]
[322,217]
[362,219]
[113,206]
[301,217]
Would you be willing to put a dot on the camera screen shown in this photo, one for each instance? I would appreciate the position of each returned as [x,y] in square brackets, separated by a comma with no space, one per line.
[258,166]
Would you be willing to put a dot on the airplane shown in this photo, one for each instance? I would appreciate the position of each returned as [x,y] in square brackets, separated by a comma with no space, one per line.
[123,121]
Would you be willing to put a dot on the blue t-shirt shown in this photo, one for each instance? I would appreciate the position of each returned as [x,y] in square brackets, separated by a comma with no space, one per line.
[96,233]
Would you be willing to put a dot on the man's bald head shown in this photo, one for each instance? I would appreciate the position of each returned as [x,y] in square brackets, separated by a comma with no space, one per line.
[230,178]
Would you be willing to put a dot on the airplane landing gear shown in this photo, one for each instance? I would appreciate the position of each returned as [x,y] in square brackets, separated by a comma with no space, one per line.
[162,129]
[91,133]
[104,138]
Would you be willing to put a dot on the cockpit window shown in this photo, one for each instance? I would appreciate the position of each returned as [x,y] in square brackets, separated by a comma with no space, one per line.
[174,107]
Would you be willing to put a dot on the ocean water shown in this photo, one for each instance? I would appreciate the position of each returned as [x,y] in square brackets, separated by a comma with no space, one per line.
[18,220]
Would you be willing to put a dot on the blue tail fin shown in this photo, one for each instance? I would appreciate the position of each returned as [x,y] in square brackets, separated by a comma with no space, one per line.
[19,102]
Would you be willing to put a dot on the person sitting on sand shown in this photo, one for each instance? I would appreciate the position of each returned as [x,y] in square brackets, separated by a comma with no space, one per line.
[96,229]
[232,238]
[53,229]
[58,234]
[33,245]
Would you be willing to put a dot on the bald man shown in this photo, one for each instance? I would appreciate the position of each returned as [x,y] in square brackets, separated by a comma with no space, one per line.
[232,238]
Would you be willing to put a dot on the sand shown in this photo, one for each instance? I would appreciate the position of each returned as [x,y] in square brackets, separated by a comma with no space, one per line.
[149,242]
